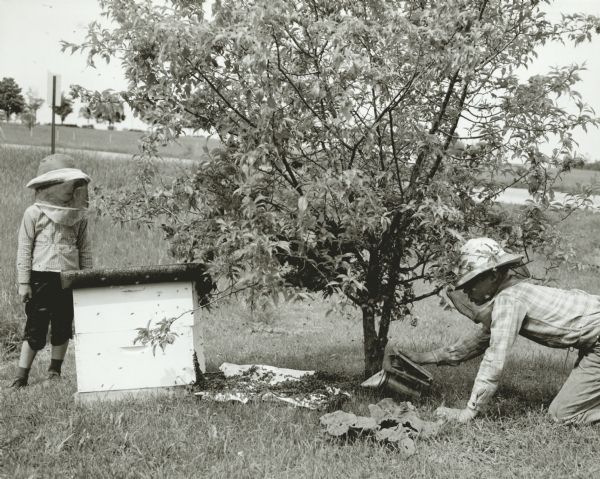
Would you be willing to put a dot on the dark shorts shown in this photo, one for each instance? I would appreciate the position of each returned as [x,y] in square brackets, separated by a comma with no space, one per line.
[50,305]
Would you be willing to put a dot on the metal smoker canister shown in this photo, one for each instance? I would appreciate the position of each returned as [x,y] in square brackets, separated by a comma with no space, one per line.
[385,380]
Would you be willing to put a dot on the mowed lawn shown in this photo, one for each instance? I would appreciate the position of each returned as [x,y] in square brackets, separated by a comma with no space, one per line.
[44,433]
[118,141]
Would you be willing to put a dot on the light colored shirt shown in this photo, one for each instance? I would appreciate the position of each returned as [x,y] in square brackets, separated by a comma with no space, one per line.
[47,245]
[553,317]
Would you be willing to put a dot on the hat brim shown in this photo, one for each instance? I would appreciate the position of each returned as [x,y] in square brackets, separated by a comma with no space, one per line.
[58,176]
[507,259]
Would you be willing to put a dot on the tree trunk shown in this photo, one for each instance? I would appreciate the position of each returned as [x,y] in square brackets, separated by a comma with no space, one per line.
[374,346]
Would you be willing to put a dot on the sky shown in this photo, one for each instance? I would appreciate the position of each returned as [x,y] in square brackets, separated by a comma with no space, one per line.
[31,31]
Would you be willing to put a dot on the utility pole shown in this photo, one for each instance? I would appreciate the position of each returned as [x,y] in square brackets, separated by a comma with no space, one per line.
[53,90]
[53,143]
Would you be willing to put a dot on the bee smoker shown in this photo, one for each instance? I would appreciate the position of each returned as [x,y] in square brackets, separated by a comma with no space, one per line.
[406,378]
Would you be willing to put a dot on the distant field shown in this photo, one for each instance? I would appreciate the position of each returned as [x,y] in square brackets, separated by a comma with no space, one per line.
[570,182]
[43,433]
[100,140]
[192,147]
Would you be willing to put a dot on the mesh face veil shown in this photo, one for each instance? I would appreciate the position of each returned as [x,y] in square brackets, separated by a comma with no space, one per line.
[61,189]
[481,313]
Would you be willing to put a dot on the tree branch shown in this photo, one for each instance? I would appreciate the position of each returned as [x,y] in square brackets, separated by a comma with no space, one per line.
[222,97]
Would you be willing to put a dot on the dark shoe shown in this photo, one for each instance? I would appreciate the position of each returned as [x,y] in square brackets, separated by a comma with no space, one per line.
[18,383]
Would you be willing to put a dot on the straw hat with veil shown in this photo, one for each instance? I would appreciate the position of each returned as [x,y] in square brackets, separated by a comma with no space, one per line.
[479,256]
[61,189]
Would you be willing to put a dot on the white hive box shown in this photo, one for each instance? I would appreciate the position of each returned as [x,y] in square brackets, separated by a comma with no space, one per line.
[109,306]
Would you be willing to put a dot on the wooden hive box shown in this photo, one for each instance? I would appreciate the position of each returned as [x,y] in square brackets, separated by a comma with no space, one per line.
[109,306]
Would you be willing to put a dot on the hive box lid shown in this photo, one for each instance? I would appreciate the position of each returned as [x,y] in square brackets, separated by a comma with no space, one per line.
[93,278]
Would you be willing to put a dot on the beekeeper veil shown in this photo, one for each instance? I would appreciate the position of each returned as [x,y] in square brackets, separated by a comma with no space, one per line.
[61,189]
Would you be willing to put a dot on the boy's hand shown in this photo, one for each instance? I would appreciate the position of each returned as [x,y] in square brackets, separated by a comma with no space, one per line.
[25,292]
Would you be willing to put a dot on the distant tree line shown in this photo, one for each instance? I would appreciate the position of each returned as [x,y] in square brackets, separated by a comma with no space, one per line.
[587,164]
[25,107]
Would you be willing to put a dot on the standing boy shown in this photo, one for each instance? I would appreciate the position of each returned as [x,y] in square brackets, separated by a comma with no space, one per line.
[507,305]
[53,237]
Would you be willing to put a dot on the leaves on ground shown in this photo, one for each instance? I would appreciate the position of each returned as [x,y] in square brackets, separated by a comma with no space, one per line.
[389,410]
[339,423]
[395,424]
[397,437]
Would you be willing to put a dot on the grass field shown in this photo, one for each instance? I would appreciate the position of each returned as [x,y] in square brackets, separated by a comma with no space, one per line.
[120,141]
[43,433]
[192,147]
[573,181]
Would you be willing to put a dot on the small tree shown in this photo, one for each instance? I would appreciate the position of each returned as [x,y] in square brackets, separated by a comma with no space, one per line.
[28,119]
[106,106]
[11,98]
[86,112]
[29,115]
[360,138]
[65,108]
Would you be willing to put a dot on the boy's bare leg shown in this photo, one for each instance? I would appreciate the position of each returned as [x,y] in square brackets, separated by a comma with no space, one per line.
[27,356]
[25,361]
[60,351]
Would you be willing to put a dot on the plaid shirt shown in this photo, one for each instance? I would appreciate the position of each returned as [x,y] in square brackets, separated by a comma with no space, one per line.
[47,246]
[553,317]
